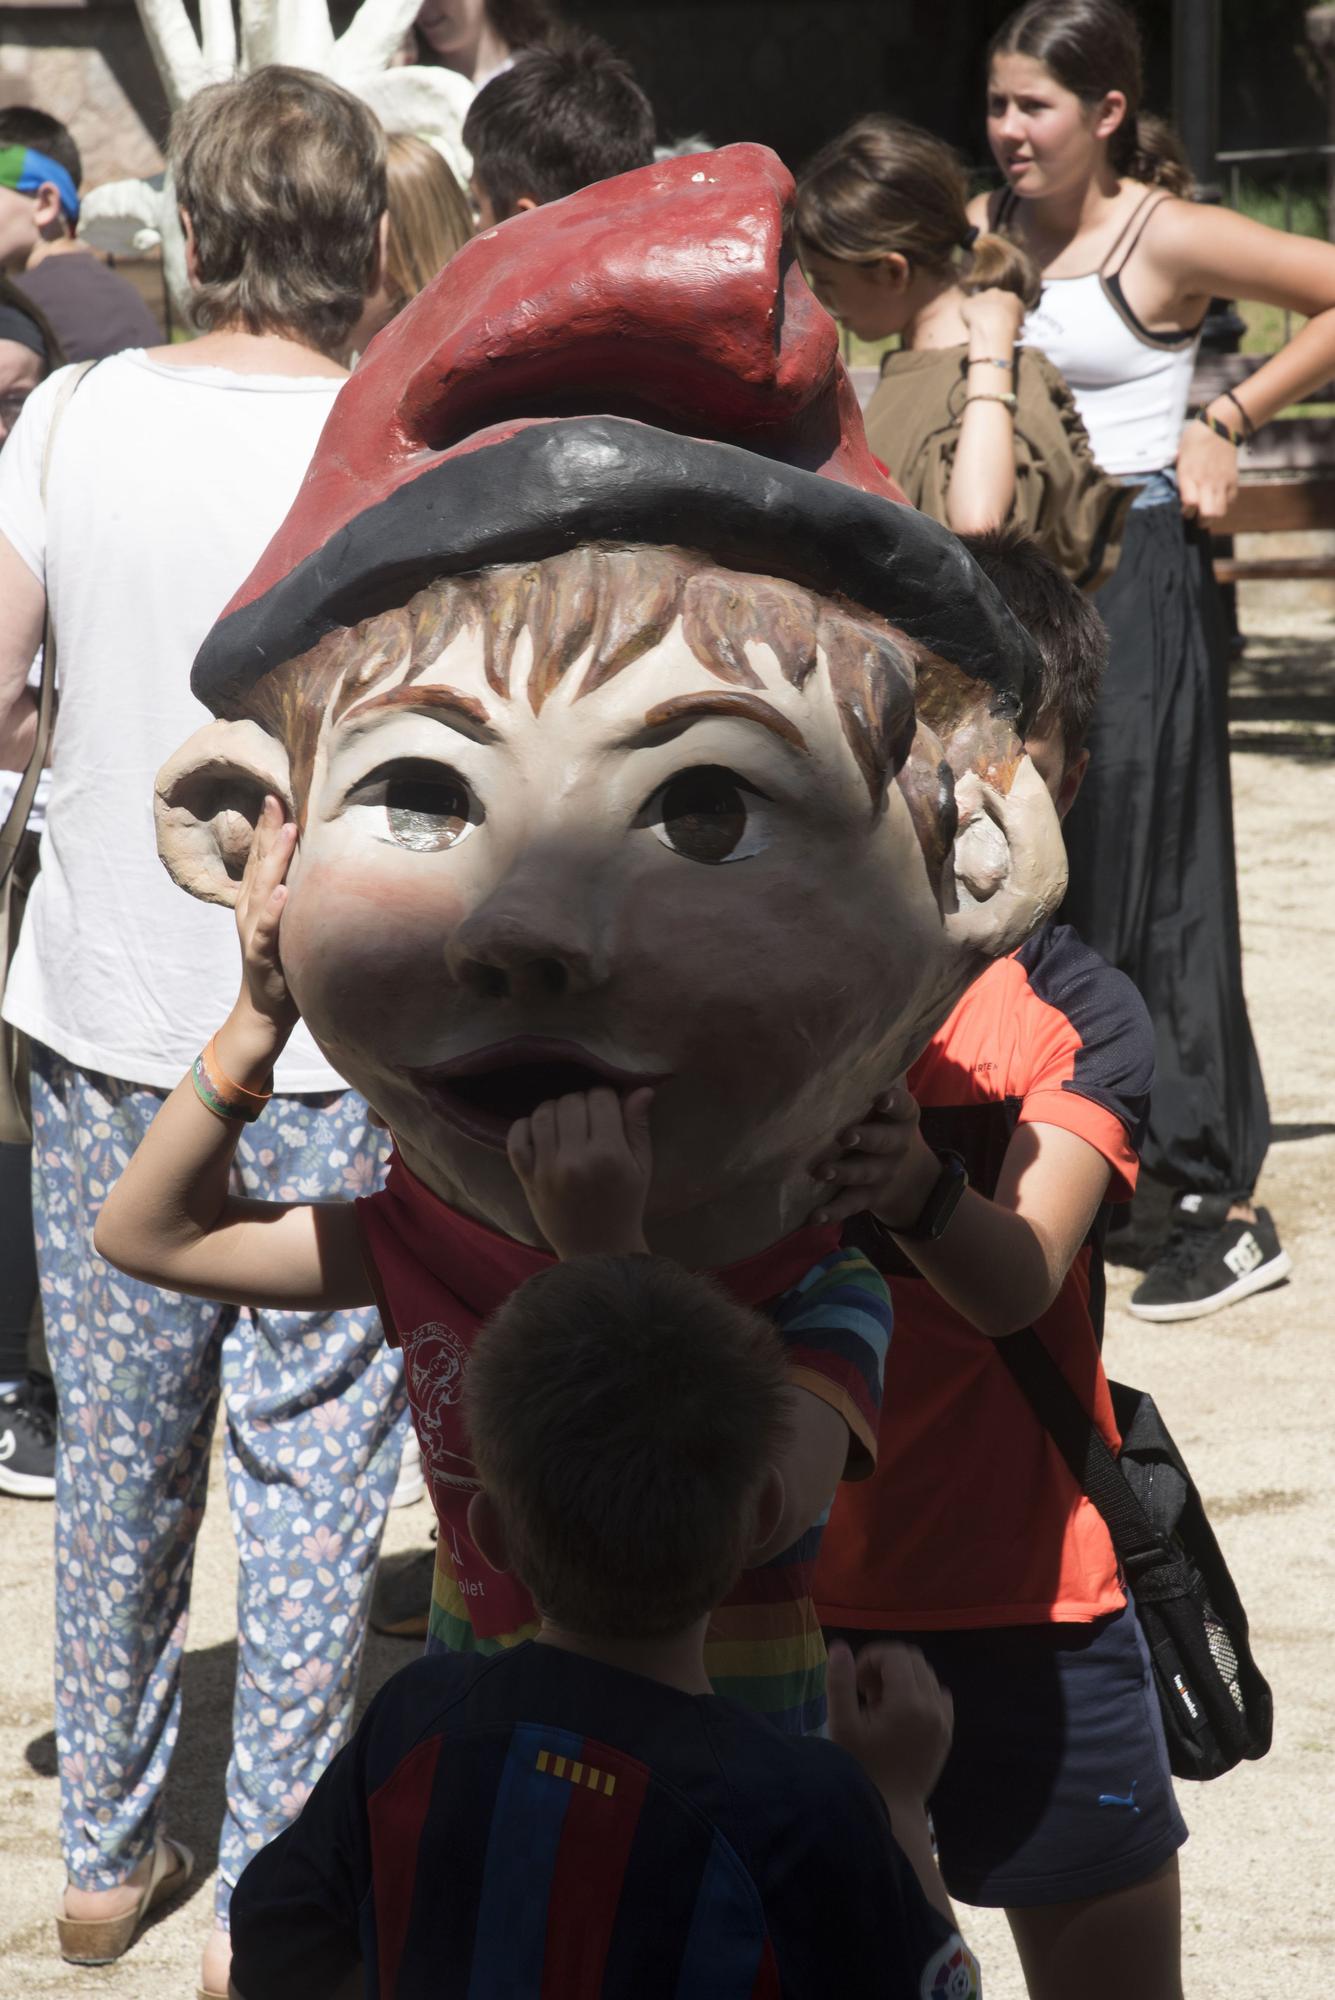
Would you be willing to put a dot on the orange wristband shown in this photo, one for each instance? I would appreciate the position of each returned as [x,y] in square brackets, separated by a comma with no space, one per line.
[219,1075]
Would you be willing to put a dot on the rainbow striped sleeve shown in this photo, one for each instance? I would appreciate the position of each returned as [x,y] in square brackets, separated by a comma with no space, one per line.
[836,1326]
[449,1627]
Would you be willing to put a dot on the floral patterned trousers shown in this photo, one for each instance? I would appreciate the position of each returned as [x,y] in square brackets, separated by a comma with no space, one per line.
[315,1422]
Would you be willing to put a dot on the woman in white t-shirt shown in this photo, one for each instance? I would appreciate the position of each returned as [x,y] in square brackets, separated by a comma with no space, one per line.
[171,470]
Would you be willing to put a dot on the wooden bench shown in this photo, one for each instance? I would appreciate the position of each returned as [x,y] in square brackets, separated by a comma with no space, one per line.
[1287,479]
[1282,505]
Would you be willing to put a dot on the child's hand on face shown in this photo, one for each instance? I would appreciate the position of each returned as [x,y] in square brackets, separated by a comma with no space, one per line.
[585,1162]
[884,1165]
[265,1013]
[890,1711]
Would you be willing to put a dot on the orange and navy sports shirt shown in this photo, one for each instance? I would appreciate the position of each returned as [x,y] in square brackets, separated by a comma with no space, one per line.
[439,1275]
[971,1517]
[539,1826]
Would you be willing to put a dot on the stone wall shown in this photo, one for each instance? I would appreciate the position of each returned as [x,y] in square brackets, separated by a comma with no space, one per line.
[90,67]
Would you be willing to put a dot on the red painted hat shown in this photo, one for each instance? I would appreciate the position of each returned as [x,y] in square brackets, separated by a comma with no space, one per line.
[642,362]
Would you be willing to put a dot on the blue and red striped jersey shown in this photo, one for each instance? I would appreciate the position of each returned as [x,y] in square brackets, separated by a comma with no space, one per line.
[534,1825]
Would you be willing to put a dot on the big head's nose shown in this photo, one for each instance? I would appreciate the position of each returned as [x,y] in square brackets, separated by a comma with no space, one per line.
[537,937]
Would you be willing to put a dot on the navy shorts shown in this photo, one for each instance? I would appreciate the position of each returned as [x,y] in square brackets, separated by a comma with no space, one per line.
[1057,1784]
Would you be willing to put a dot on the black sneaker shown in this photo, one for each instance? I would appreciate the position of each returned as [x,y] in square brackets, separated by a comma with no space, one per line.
[28,1440]
[1210,1262]
[401,1605]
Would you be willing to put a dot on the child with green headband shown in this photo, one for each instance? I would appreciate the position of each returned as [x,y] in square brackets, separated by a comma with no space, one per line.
[94,311]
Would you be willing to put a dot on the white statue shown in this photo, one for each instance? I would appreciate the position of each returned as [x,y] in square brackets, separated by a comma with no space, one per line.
[128,218]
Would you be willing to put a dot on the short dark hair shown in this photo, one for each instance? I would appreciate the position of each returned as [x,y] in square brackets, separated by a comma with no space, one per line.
[556,120]
[21,125]
[282,174]
[621,1414]
[1071,637]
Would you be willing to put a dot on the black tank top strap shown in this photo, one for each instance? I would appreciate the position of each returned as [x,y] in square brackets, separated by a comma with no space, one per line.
[1141,213]
[1005,208]
[1112,280]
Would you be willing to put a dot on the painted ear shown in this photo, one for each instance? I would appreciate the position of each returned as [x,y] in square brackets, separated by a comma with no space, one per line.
[1007,864]
[207,800]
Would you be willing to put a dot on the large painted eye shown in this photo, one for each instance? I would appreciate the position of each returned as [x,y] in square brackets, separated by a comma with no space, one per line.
[419,805]
[708,814]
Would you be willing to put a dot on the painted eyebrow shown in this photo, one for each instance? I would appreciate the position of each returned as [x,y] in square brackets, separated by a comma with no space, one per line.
[670,718]
[442,704]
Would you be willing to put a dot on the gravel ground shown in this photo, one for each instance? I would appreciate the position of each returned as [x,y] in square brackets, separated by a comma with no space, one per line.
[1250,1396]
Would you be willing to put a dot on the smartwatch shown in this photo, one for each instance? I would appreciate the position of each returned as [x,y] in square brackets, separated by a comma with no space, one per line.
[941,1203]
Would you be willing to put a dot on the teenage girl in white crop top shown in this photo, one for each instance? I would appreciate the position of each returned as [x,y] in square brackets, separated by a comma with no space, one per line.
[1093,193]
[1128,268]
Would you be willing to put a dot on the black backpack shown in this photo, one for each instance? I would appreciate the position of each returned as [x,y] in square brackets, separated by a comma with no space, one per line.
[1215,1702]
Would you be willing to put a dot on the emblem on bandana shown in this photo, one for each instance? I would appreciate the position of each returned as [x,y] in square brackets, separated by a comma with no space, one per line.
[435,1359]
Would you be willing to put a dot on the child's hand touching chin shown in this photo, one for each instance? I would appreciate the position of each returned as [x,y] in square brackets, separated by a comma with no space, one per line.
[585,1162]
[883,1165]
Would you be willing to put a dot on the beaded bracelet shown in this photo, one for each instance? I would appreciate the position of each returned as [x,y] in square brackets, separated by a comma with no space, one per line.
[225,1099]
[1249,428]
[986,396]
[1220,428]
[991,361]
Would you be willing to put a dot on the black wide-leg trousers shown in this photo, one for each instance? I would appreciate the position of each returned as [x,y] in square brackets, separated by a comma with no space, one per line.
[1150,839]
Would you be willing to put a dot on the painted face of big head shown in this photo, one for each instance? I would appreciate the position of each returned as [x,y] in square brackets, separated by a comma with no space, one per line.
[623,816]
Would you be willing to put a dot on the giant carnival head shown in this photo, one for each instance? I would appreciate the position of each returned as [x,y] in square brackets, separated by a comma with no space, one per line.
[635,728]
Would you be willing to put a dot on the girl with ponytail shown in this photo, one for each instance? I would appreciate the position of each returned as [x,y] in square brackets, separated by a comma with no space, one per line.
[979,433]
[1094,195]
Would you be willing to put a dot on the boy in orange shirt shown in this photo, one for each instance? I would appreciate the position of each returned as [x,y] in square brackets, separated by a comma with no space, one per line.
[983,1190]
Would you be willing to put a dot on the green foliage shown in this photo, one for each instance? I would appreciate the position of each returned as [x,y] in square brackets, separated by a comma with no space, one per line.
[1262,196]
[1264,201]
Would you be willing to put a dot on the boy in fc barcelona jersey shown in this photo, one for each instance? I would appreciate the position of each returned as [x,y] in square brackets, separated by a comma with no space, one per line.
[579,1815]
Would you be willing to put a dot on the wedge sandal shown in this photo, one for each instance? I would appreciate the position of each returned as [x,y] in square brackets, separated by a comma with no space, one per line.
[99,1940]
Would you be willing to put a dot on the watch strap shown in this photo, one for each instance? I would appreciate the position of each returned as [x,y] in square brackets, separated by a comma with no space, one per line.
[941,1202]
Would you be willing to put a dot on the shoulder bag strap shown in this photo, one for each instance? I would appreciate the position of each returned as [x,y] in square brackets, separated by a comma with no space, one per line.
[11,834]
[1093,1466]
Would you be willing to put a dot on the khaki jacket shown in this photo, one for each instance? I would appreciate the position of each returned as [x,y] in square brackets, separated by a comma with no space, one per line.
[1075,511]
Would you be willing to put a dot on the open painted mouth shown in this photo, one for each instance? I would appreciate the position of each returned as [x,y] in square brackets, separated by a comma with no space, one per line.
[482,1094]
